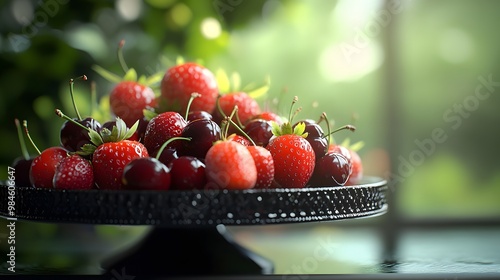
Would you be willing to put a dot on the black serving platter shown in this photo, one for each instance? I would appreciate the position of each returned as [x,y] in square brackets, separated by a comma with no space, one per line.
[198,208]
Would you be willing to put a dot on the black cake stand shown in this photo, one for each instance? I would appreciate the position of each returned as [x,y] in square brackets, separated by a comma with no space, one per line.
[188,235]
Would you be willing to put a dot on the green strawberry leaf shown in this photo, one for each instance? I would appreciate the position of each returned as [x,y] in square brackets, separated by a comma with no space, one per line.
[149,114]
[155,78]
[111,77]
[131,75]
[235,81]
[142,80]
[222,80]
[286,129]
[275,128]
[259,92]
[180,60]
[299,130]
[131,131]
[87,149]
[95,138]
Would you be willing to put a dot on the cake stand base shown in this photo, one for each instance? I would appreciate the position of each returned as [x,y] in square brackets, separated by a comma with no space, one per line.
[187,251]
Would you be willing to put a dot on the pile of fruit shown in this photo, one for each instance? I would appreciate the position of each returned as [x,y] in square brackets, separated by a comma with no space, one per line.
[189,136]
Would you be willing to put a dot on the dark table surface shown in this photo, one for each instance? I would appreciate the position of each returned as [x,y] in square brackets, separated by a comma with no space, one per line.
[337,249]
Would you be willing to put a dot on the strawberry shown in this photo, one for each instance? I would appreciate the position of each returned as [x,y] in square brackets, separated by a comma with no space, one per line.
[293,156]
[161,128]
[264,164]
[128,99]
[74,173]
[131,94]
[180,81]
[229,165]
[247,106]
[111,152]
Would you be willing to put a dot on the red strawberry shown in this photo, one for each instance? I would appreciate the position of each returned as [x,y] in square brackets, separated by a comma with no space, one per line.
[180,81]
[357,168]
[240,139]
[264,164]
[247,106]
[293,156]
[128,100]
[74,173]
[229,165]
[269,116]
[111,152]
[44,167]
[161,128]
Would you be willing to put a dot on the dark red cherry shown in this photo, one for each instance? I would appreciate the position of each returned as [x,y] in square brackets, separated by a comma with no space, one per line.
[73,137]
[167,156]
[260,131]
[196,115]
[146,174]
[44,167]
[316,137]
[203,134]
[22,167]
[332,169]
[187,173]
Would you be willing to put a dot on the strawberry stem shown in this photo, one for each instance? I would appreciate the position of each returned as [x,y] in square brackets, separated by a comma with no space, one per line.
[120,56]
[193,96]
[21,140]
[71,83]
[25,125]
[160,151]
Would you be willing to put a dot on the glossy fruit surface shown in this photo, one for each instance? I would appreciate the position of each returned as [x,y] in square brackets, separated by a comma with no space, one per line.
[44,167]
[128,99]
[203,133]
[182,80]
[74,173]
[146,173]
[73,137]
[333,169]
[265,166]
[163,127]
[110,159]
[260,131]
[22,167]
[247,106]
[229,165]
[188,173]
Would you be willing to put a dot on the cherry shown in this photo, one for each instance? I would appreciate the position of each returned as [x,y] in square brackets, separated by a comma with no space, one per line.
[332,169]
[315,137]
[73,137]
[167,155]
[203,134]
[195,115]
[22,164]
[187,173]
[260,131]
[146,174]
[44,167]
[22,167]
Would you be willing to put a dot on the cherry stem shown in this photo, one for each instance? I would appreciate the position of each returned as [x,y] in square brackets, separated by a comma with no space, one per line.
[71,83]
[191,99]
[120,56]
[60,114]
[242,132]
[328,128]
[93,97]
[25,125]
[290,115]
[349,127]
[229,121]
[24,150]
[160,151]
